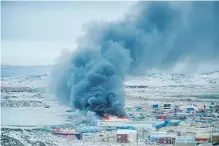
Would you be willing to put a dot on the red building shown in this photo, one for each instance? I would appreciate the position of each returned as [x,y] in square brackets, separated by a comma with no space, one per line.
[201,139]
[122,138]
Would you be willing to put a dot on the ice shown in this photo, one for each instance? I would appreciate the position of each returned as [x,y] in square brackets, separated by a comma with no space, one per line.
[34,116]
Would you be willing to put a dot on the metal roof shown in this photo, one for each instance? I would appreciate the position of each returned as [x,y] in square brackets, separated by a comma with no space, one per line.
[185,139]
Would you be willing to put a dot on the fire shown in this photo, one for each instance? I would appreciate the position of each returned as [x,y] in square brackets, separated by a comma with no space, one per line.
[114,118]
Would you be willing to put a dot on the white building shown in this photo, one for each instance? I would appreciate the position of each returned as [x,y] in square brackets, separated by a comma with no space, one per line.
[149,125]
[185,141]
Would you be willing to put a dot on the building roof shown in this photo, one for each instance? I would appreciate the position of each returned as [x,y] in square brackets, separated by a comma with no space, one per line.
[215,134]
[202,135]
[185,139]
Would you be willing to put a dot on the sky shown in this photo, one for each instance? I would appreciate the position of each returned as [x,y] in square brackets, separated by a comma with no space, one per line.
[34,33]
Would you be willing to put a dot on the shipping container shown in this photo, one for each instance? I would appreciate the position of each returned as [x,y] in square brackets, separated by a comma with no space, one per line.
[163,117]
[201,139]
[155,106]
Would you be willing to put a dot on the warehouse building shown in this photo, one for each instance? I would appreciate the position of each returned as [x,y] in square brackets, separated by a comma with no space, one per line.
[162,138]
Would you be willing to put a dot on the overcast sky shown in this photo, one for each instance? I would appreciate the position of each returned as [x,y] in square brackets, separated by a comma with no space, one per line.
[34,33]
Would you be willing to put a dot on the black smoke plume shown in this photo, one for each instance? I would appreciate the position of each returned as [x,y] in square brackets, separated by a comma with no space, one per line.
[152,35]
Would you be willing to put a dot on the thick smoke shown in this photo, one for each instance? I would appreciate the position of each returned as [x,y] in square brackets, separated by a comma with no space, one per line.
[153,35]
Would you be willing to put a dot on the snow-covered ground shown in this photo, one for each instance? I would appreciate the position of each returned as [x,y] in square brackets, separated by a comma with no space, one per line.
[34,106]
[174,79]
[25,102]
[200,86]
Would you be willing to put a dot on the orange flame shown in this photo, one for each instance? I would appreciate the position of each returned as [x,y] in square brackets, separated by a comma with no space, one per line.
[114,118]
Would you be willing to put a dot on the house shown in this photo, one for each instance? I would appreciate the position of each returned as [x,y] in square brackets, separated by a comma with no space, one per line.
[126,136]
[185,141]
[162,137]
